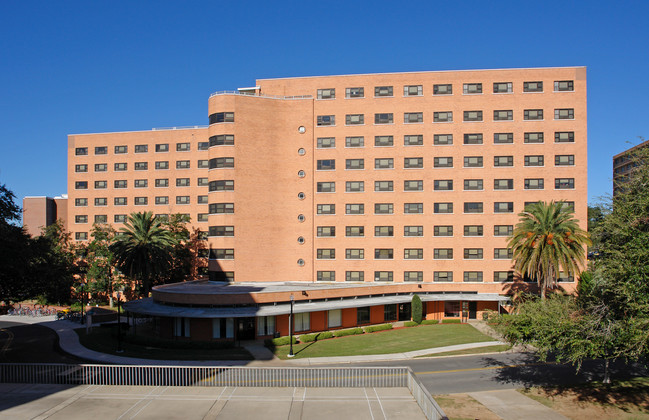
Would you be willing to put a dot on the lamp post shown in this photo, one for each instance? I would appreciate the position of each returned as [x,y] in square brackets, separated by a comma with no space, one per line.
[119,322]
[290,330]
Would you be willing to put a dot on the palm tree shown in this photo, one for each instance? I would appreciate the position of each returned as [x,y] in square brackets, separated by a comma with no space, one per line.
[143,249]
[547,241]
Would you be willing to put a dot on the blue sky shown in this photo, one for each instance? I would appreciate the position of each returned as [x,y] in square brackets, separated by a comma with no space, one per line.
[78,66]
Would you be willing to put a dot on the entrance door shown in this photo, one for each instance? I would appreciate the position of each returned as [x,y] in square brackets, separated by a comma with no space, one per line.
[404,312]
[246,328]
[473,310]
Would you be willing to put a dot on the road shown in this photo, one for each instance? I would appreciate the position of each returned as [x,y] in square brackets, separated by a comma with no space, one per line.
[31,343]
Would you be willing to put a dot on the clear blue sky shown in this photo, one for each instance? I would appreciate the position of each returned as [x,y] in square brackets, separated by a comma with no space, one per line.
[92,66]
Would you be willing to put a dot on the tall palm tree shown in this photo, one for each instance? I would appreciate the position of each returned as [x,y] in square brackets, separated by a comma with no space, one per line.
[547,241]
[143,249]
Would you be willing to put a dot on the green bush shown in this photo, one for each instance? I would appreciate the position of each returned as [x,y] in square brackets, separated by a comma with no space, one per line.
[374,328]
[351,331]
[308,338]
[279,341]
[410,324]
[451,321]
[429,322]
[416,309]
[488,314]
[75,307]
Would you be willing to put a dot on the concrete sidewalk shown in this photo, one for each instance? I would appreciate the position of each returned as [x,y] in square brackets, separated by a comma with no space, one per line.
[510,404]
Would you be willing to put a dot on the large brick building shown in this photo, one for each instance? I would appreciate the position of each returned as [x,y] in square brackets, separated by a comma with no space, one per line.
[349,193]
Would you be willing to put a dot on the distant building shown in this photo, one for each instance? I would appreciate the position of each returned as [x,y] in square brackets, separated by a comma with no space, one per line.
[623,164]
[349,193]
[40,212]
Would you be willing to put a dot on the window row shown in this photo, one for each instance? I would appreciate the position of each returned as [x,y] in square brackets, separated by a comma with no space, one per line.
[121,218]
[141,183]
[438,276]
[444,162]
[141,166]
[138,201]
[412,253]
[141,148]
[446,139]
[446,89]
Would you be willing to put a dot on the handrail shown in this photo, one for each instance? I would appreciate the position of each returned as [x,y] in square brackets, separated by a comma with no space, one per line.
[188,127]
[234,92]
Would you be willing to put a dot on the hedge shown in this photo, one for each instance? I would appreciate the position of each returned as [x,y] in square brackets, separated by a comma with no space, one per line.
[351,331]
[280,341]
[451,321]
[410,324]
[429,322]
[374,328]
[308,338]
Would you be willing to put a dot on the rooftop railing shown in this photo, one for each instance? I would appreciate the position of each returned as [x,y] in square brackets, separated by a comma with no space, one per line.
[234,92]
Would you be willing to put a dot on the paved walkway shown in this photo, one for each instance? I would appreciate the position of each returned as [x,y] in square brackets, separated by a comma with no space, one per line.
[510,404]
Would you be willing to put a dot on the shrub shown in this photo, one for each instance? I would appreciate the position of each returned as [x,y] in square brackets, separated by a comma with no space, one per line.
[374,328]
[489,315]
[75,307]
[416,309]
[281,341]
[451,321]
[430,321]
[351,331]
[308,338]
[410,324]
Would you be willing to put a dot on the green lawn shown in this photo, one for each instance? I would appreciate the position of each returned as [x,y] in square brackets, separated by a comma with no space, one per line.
[479,350]
[391,341]
[104,340]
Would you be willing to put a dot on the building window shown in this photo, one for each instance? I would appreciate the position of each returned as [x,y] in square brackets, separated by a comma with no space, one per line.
[120,201]
[221,208]
[475,138]
[101,150]
[502,254]
[473,276]
[182,199]
[326,209]
[504,207]
[533,114]
[503,160]
[413,231]
[326,276]
[383,208]
[472,115]
[354,253]
[100,185]
[383,231]
[442,139]
[326,231]
[472,88]
[534,160]
[503,87]
[413,276]
[503,138]
[101,167]
[354,186]
[473,161]
[355,92]
[141,183]
[564,160]
[442,208]
[326,187]
[326,120]
[121,166]
[413,185]
[326,164]
[473,207]
[503,276]
[503,230]
[202,182]
[81,151]
[564,114]
[383,186]
[383,118]
[413,90]
[81,185]
[444,116]
[141,166]
[202,217]
[221,231]
[161,148]
[443,253]
[446,89]
[473,185]
[564,183]
[362,317]
[503,184]
[184,164]
[533,137]
[383,91]
[503,115]
[534,183]
[221,140]
[101,218]
[141,148]
[443,162]
[221,254]
[356,141]
[413,117]
[326,254]
[203,145]
[164,164]
[119,218]
[120,183]
[413,162]
[302,321]
[564,86]
[121,150]
[221,117]
[383,141]
[354,119]
[326,142]
[383,276]
[443,276]
[161,182]
[443,230]
[443,185]
[327,93]
[473,230]
[161,200]
[201,199]
[413,254]
[354,164]
[383,163]
[81,219]
[81,236]
[564,137]
[472,253]
[532,86]
[141,201]
[390,312]
[383,254]
[413,208]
